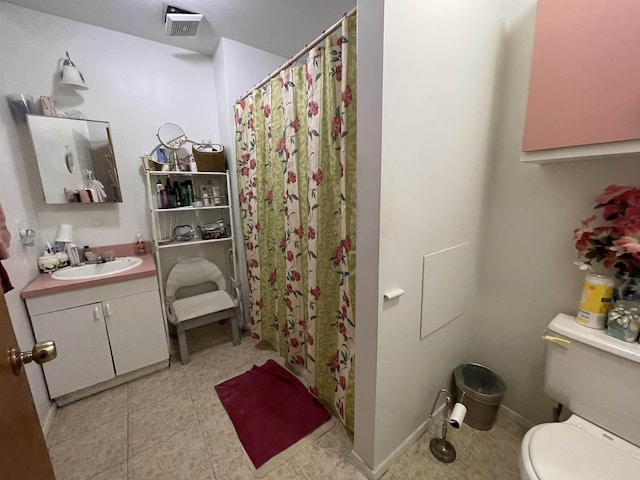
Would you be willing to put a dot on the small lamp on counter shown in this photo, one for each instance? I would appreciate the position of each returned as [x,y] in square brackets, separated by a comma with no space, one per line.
[70,75]
[64,235]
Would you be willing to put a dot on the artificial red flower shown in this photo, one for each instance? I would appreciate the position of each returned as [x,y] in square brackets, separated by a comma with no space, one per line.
[611,193]
[615,244]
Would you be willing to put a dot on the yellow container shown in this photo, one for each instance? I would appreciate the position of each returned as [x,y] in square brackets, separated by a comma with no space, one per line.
[596,300]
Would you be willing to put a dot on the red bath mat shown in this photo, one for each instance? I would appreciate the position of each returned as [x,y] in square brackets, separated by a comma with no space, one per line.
[270,410]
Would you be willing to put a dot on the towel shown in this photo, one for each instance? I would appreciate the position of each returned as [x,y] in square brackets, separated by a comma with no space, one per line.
[5,236]
[5,240]
[4,280]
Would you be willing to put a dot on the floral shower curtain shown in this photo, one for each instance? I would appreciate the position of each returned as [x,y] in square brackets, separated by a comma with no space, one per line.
[296,149]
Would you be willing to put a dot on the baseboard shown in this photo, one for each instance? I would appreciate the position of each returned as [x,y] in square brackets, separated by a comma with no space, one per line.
[114,382]
[48,419]
[362,467]
[516,417]
[382,468]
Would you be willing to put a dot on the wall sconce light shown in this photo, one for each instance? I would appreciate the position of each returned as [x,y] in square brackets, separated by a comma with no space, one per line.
[70,75]
[27,236]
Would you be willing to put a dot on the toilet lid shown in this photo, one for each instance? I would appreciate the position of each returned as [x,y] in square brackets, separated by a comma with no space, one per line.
[561,450]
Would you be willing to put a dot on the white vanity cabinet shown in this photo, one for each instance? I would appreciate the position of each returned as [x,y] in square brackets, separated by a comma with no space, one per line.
[104,335]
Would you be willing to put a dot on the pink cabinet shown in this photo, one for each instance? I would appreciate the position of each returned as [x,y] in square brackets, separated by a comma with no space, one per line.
[585,77]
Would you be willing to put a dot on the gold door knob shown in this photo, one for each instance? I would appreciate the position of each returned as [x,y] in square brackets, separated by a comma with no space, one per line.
[41,353]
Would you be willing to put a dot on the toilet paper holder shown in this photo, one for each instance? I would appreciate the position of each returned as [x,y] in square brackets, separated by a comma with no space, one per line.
[441,448]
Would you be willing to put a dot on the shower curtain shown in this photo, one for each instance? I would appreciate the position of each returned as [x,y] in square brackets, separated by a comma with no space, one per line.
[296,163]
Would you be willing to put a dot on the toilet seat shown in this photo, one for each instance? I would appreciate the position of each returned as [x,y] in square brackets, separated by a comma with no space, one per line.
[577,449]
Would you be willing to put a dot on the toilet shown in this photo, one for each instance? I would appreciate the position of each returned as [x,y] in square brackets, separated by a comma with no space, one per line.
[597,377]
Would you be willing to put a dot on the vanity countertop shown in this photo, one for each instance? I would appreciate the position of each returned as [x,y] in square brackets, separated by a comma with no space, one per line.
[43,284]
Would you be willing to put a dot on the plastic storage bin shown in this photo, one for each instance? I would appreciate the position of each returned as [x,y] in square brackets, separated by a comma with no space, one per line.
[480,390]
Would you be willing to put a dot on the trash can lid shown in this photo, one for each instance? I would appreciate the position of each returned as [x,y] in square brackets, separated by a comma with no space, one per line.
[479,382]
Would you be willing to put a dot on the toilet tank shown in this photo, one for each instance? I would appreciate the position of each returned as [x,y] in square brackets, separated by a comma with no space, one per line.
[594,375]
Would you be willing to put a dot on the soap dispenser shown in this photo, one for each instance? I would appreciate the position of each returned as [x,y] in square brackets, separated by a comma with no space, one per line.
[140,247]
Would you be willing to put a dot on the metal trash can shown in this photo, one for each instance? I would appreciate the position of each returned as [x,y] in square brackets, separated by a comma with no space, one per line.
[481,391]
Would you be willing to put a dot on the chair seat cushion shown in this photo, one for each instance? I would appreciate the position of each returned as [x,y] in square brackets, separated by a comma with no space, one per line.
[203,304]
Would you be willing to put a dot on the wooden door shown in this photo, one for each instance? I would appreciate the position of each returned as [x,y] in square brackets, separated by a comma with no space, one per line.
[24,452]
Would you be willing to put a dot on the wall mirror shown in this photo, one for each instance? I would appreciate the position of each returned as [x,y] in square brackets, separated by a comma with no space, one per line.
[75,160]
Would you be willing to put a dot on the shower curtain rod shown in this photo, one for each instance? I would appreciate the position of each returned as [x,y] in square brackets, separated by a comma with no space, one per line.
[298,55]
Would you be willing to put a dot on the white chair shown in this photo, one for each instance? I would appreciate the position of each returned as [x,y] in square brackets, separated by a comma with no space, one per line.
[187,312]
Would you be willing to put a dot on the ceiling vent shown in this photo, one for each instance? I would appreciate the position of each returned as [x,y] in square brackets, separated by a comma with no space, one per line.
[181,23]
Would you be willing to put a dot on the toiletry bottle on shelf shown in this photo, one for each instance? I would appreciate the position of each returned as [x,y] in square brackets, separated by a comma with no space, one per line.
[190,192]
[184,194]
[192,164]
[164,199]
[171,197]
[178,193]
[140,247]
[157,198]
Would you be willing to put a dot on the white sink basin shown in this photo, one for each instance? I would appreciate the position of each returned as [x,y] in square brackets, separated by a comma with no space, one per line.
[86,272]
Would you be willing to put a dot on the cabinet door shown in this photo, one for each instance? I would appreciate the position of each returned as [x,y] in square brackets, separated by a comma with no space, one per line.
[584,86]
[84,357]
[136,331]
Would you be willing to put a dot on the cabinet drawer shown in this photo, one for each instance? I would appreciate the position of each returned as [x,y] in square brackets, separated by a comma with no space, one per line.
[85,296]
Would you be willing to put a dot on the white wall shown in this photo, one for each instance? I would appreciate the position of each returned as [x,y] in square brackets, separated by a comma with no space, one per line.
[21,264]
[134,84]
[437,110]
[237,68]
[527,273]
[369,122]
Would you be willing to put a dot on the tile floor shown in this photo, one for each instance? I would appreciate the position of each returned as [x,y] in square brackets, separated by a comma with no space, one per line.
[170,425]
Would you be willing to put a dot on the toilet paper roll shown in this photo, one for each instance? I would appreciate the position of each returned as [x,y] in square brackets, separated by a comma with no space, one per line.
[393,293]
[457,415]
